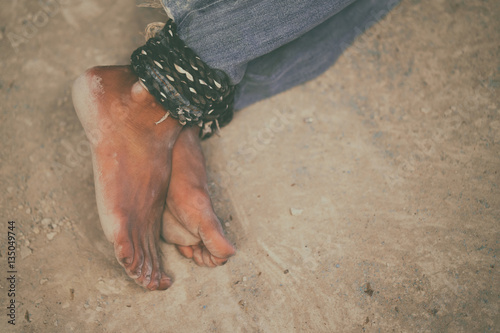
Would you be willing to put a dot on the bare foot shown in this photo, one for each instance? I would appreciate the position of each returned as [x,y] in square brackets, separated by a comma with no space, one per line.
[189,220]
[132,163]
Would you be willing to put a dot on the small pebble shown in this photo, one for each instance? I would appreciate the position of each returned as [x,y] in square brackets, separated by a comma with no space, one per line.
[43,281]
[46,221]
[244,279]
[51,235]
[25,252]
[308,120]
[296,211]
[98,309]
[227,224]
[28,210]
[36,230]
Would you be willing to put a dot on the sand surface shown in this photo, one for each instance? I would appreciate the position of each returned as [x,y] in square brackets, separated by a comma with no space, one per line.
[368,202]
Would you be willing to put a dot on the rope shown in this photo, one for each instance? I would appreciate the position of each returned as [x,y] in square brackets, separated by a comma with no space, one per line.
[190,91]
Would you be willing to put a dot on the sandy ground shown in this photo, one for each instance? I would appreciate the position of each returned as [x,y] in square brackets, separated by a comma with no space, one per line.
[369,202]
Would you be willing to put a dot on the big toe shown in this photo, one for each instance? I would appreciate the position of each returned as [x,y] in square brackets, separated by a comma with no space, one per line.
[215,242]
[124,252]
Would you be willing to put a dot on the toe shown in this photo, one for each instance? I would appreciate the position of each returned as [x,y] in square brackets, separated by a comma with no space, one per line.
[145,278]
[207,258]
[150,270]
[218,261]
[156,273]
[186,251]
[155,281]
[213,238]
[146,273]
[135,269]
[165,282]
[197,255]
[129,256]
[124,252]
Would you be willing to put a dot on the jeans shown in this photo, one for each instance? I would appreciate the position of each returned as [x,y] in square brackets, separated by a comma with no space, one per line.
[269,46]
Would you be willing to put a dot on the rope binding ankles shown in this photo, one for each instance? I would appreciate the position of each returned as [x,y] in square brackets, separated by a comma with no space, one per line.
[190,90]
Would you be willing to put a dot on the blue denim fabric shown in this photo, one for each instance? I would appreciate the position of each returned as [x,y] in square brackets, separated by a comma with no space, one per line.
[268,46]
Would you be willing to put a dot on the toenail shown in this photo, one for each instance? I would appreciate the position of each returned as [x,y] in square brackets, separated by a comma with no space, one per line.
[167,281]
[136,274]
[147,280]
[127,261]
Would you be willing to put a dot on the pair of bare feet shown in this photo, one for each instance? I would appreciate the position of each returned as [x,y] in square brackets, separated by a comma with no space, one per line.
[150,179]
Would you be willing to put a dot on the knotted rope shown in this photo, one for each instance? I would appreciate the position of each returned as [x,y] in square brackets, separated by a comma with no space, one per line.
[182,83]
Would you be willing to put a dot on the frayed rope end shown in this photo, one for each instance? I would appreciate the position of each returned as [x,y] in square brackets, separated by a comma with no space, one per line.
[163,118]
